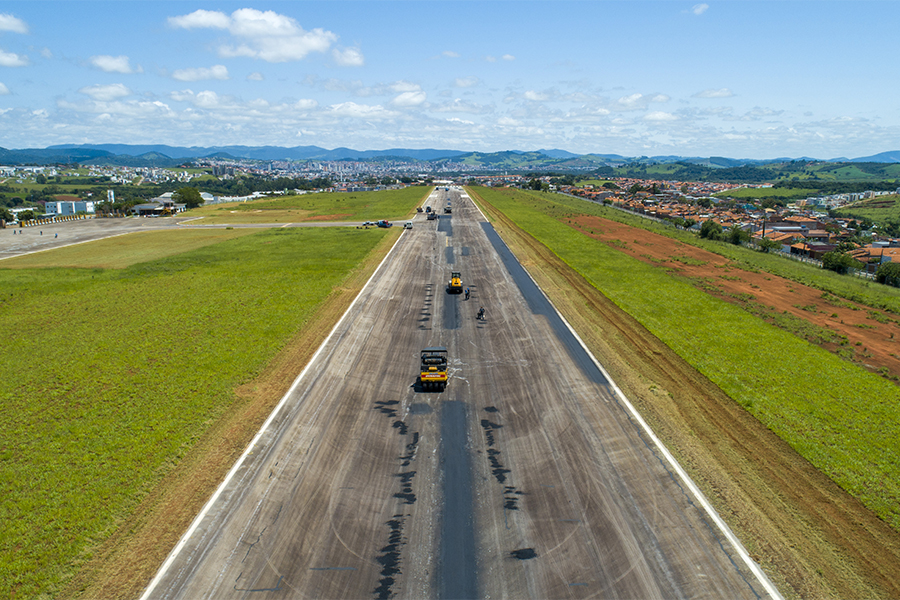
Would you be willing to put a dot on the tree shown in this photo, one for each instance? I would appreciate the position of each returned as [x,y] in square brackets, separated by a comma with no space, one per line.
[188,196]
[535,184]
[736,235]
[5,214]
[840,262]
[711,230]
[767,245]
[888,273]
[26,215]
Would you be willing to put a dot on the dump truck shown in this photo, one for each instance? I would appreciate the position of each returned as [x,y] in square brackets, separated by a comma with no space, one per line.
[433,372]
[455,285]
[448,209]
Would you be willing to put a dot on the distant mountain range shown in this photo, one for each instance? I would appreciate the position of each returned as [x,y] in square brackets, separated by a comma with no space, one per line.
[158,155]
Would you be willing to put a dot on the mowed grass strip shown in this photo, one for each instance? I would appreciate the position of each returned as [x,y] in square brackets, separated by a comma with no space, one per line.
[332,206]
[124,250]
[110,377]
[843,419]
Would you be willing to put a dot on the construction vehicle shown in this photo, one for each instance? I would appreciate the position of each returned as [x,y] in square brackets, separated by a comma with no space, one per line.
[384,223]
[449,208]
[432,216]
[455,285]
[433,372]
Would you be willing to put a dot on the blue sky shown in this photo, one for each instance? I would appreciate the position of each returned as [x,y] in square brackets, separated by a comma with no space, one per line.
[737,78]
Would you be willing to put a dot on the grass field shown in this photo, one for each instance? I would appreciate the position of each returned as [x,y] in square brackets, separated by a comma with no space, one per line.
[878,210]
[842,419]
[112,374]
[125,250]
[393,205]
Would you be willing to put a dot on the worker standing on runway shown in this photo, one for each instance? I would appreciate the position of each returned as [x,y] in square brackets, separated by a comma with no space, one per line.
[467,293]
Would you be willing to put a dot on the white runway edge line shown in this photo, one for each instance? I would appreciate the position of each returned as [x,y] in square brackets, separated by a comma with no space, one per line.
[196,523]
[682,474]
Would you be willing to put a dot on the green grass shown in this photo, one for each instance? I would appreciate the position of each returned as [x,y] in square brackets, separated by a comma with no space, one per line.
[842,419]
[337,206]
[878,210]
[111,375]
[125,250]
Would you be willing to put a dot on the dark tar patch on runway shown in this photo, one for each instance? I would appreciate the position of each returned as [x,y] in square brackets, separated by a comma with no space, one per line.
[524,553]
[457,573]
[389,559]
[540,305]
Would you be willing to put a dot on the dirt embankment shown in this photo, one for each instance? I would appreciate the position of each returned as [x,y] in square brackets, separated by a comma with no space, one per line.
[813,539]
[868,337]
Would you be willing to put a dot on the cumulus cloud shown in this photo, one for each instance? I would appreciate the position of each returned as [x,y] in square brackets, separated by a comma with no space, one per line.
[348,57]
[466,82]
[508,57]
[264,35]
[409,99]
[200,74]
[632,101]
[257,76]
[660,116]
[106,93]
[450,54]
[699,9]
[4,91]
[112,64]
[535,96]
[360,111]
[9,59]
[720,93]
[13,24]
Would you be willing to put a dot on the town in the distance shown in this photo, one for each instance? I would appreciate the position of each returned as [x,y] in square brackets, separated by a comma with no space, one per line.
[809,209]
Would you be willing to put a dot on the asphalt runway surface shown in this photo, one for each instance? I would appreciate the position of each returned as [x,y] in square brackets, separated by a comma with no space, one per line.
[527,477]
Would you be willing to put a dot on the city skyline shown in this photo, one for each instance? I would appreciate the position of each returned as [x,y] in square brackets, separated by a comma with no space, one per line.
[740,79]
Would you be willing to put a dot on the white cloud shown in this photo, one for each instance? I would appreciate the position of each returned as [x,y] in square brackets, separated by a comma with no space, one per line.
[106,93]
[4,91]
[508,57]
[660,116]
[11,23]
[257,76]
[267,36]
[200,74]
[9,59]
[535,96]
[201,19]
[450,54]
[720,93]
[632,101]
[508,122]
[349,57]
[699,9]
[660,98]
[405,86]
[466,82]
[360,111]
[112,64]
[409,99]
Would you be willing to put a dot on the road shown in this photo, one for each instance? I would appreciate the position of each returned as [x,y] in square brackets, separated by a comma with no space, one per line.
[528,477]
